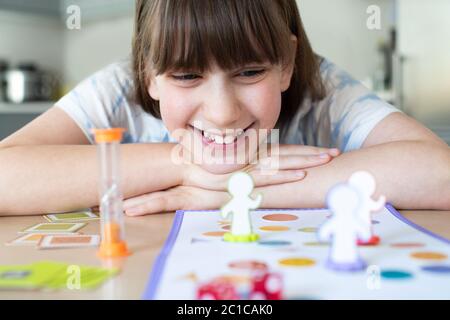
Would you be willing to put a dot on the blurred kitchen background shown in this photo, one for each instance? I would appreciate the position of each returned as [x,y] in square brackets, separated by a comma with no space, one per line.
[406,61]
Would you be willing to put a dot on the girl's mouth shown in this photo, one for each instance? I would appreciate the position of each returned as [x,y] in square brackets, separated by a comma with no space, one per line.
[229,139]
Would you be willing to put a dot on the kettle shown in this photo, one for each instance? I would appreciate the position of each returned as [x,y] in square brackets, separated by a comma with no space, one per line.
[26,83]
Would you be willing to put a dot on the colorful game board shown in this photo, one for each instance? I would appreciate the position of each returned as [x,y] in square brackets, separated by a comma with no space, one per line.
[409,262]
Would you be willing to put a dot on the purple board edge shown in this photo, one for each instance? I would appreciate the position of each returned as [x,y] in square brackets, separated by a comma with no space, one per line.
[158,266]
[399,216]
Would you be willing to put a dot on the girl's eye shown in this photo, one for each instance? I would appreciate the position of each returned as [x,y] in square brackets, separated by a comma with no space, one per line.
[185,77]
[251,73]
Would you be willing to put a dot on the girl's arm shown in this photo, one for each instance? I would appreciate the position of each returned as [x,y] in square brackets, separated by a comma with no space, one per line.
[410,164]
[48,166]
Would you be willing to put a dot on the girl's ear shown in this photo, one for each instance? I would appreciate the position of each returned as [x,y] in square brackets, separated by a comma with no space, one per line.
[153,88]
[287,70]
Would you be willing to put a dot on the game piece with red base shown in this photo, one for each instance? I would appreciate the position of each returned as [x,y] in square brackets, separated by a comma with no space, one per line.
[365,184]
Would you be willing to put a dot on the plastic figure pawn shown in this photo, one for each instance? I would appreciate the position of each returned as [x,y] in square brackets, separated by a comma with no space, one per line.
[364,182]
[344,228]
[240,186]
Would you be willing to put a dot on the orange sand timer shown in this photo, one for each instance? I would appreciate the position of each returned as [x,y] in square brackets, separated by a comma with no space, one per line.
[111,211]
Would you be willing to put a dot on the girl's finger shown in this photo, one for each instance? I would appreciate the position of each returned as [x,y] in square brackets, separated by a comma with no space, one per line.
[293,149]
[291,162]
[200,199]
[162,201]
[135,201]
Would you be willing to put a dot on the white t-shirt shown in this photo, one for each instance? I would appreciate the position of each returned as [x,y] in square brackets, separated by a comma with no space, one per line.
[343,119]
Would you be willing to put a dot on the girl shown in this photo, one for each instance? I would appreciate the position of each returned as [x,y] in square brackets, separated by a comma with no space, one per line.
[218,70]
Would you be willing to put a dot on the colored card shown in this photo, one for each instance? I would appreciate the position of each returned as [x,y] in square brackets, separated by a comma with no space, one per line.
[89,277]
[54,276]
[28,276]
[68,241]
[54,228]
[72,216]
[27,239]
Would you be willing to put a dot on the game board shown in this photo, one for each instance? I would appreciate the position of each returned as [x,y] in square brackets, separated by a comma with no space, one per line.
[409,262]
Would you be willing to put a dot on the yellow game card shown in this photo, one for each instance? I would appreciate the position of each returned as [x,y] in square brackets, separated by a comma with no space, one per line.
[72,216]
[54,228]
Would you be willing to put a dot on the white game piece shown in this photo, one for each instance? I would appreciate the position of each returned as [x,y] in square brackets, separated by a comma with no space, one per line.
[344,228]
[240,186]
[365,183]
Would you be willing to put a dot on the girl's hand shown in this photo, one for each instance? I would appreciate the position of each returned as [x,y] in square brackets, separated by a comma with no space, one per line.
[291,160]
[204,197]
[177,198]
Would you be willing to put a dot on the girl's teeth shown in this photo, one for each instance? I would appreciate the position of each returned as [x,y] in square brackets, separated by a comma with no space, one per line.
[218,139]
[223,140]
[228,139]
[208,136]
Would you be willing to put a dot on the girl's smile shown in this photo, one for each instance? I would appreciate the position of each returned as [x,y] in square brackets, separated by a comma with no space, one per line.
[217,139]
[221,110]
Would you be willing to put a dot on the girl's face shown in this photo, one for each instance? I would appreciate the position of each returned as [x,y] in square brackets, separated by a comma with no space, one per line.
[216,109]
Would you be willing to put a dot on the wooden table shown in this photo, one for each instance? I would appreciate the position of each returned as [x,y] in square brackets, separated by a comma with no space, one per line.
[145,237]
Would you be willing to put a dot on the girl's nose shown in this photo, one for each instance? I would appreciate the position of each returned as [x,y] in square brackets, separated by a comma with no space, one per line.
[222,108]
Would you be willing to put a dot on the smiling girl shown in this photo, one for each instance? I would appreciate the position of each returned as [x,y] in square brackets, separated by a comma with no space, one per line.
[218,70]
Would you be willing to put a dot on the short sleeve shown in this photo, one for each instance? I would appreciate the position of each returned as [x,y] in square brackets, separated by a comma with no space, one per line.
[99,100]
[348,113]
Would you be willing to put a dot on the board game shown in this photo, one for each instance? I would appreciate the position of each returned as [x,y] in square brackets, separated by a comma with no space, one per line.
[408,263]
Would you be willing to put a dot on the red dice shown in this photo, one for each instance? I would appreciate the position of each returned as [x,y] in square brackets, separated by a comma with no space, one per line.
[218,289]
[267,286]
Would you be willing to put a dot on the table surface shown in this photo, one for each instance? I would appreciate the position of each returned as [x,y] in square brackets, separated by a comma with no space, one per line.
[145,237]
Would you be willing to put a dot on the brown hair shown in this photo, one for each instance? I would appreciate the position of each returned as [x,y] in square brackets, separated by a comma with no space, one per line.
[189,34]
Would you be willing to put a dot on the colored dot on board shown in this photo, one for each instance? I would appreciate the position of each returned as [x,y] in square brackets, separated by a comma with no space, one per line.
[280,217]
[248,264]
[437,269]
[407,245]
[425,255]
[375,222]
[316,244]
[214,233]
[297,262]
[396,274]
[308,230]
[275,242]
[274,228]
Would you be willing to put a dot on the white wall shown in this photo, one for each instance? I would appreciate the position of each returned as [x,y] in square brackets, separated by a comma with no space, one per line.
[94,46]
[337,30]
[26,36]
[424,42]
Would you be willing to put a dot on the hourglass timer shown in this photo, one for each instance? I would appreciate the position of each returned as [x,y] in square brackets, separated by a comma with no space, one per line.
[110,194]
